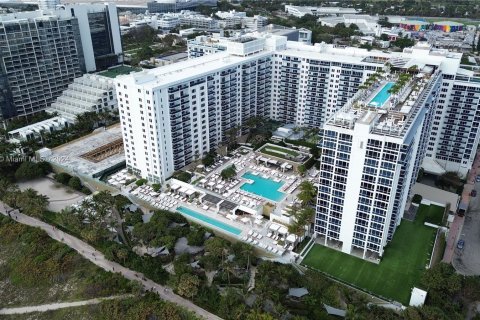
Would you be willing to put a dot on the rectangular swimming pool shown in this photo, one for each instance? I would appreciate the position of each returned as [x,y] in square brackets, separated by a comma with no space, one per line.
[208,220]
[263,187]
[382,96]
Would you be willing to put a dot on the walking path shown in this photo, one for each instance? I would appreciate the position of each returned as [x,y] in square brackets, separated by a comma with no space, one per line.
[99,259]
[61,305]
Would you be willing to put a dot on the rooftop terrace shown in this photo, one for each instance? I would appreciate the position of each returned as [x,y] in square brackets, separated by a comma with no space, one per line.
[387,102]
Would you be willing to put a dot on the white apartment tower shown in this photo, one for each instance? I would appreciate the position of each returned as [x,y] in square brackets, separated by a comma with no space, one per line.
[372,150]
[455,134]
[175,114]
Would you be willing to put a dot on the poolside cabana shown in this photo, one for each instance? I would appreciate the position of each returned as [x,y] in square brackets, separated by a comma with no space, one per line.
[274,227]
[286,166]
[189,193]
[292,238]
[228,206]
[262,159]
[175,187]
[282,230]
[211,200]
[244,209]
[272,162]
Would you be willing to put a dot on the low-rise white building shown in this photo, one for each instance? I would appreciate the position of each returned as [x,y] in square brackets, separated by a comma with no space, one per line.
[35,131]
[300,11]
[368,25]
[254,23]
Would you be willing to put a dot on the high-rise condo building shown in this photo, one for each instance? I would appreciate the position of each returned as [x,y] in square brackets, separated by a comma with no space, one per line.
[39,56]
[372,149]
[41,52]
[99,33]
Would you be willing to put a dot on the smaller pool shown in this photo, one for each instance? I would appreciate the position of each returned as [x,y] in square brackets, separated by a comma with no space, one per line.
[382,96]
[263,187]
[208,220]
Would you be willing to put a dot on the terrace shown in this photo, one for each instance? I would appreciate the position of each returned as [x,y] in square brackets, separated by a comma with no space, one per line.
[387,102]
[284,153]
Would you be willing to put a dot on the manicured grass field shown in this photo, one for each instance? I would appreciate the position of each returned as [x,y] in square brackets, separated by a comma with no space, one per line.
[432,214]
[117,71]
[280,149]
[400,269]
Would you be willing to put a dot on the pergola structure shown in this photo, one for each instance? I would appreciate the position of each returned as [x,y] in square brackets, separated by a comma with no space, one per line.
[105,151]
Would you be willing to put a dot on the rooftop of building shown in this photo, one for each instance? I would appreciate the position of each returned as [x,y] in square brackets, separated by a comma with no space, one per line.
[118,71]
[308,9]
[421,55]
[388,101]
[72,156]
[39,126]
[448,23]
[184,70]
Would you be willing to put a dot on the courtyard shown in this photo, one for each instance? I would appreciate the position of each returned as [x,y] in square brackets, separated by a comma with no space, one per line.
[401,267]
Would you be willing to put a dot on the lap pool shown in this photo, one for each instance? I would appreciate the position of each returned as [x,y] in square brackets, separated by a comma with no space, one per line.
[382,96]
[208,220]
[263,187]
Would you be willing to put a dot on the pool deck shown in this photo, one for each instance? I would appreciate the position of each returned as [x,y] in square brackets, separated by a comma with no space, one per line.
[255,228]
[377,92]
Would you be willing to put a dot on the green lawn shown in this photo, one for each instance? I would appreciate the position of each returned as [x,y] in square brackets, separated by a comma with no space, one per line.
[117,71]
[280,149]
[432,214]
[401,267]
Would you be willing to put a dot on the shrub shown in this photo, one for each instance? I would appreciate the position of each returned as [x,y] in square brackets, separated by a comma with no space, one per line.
[141,182]
[417,198]
[31,170]
[75,183]
[182,176]
[62,177]
[209,159]
[85,190]
[229,172]
[156,187]
[196,238]
[310,162]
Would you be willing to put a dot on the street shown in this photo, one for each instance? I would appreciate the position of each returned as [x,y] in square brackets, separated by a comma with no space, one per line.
[99,259]
[467,260]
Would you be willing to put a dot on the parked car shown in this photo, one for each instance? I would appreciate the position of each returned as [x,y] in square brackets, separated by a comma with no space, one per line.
[460,244]
[473,193]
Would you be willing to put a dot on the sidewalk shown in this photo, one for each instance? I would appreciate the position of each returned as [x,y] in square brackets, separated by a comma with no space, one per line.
[457,224]
[58,305]
[99,259]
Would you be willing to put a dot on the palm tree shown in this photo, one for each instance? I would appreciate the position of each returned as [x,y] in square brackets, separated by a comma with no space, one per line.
[302,217]
[122,254]
[308,192]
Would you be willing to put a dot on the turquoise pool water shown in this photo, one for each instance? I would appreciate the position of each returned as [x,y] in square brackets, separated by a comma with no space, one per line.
[266,188]
[382,96]
[209,220]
